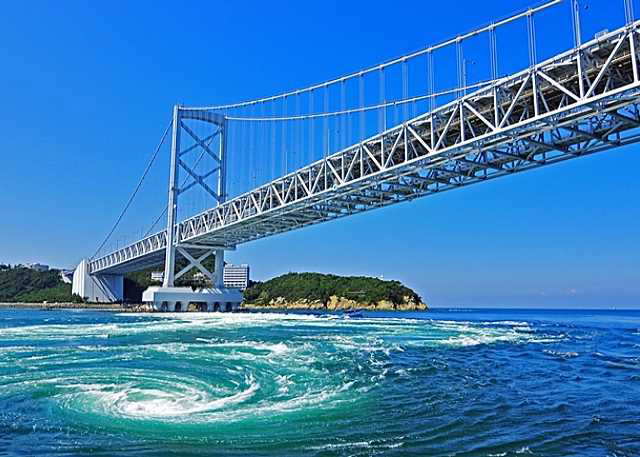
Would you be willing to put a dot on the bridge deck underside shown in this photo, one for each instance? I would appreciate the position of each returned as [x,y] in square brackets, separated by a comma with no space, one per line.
[578,103]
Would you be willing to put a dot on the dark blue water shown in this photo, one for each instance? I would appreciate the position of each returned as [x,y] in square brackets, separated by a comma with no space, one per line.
[444,383]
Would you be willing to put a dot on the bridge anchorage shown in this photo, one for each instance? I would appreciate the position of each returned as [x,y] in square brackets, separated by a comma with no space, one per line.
[576,103]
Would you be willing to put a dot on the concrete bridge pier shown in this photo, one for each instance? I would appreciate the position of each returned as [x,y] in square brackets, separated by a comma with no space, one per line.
[97,288]
[217,297]
[177,299]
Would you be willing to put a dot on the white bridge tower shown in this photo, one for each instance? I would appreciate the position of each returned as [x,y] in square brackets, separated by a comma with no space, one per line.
[216,297]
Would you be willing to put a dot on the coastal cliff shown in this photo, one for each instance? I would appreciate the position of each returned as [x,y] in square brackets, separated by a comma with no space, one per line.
[318,291]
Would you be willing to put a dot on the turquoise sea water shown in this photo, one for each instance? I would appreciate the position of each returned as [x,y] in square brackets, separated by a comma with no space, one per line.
[449,383]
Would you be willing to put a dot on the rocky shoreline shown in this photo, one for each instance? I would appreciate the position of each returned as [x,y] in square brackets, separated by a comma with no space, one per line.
[336,303]
[69,305]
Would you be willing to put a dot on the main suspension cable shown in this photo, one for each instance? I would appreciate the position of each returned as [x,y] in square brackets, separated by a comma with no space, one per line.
[384,104]
[164,211]
[135,192]
[372,69]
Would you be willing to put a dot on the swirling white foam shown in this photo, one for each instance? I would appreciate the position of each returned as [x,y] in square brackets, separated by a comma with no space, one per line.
[207,370]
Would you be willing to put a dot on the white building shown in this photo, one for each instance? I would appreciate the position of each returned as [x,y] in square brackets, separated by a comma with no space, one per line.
[236,276]
[38,266]
[157,275]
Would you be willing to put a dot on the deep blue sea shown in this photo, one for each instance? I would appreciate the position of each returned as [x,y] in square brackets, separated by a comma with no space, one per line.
[441,383]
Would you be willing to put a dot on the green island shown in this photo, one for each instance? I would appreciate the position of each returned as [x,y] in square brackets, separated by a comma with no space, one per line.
[331,292]
[19,284]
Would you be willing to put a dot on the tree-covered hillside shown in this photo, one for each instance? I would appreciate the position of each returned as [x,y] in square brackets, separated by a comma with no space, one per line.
[21,284]
[316,286]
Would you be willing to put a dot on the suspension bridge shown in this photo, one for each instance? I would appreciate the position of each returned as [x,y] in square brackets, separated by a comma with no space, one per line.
[372,138]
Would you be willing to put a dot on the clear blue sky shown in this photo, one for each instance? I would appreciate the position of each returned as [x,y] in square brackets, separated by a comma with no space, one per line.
[87,89]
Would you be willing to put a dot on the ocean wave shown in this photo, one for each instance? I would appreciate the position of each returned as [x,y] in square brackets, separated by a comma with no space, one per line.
[560,354]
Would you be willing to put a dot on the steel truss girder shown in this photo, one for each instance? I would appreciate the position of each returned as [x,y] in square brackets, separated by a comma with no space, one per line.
[577,103]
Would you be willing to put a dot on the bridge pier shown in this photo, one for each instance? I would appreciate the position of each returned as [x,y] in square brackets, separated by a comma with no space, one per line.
[97,288]
[177,299]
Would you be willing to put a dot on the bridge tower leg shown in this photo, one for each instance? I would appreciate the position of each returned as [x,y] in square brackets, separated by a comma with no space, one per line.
[218,273]
[170,256]
[218,279]
[168,296]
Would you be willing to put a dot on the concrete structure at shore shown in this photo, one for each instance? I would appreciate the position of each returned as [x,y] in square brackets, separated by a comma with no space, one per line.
[176,299]
[97,288]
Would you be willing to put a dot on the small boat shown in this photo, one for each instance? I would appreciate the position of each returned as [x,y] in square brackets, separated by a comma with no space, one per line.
[355,313]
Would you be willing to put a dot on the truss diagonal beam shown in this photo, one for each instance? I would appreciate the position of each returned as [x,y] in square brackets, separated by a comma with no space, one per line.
[200,142]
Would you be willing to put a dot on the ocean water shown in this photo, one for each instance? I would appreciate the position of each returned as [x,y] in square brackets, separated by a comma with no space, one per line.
[442,383]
